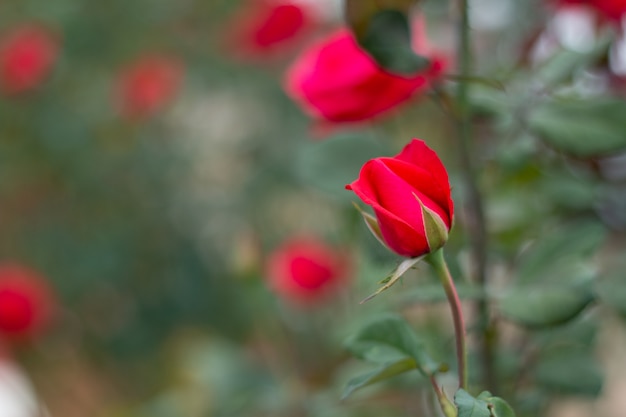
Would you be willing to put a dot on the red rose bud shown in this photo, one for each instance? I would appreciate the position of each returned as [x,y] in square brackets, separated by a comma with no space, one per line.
[147,85]
[265,27]
[410,195]
[27,54]
[26,302]
[337,81]
[306,271]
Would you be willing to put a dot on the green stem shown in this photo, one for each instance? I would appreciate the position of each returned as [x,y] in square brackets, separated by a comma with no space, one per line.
[438,263]
[476,224]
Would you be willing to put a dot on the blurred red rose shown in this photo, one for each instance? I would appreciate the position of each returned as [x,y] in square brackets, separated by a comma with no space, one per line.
[397,187]
[306,271]
[264,27]
[27,54]
[611,10]
[147,85]
[26,302]
[336,81]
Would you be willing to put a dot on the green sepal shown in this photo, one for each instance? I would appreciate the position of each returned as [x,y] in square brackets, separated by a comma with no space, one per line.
[372,225]
[394,276]
[434,227]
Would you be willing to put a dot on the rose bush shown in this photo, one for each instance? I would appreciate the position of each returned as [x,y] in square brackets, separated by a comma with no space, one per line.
[307,271]
[27,54]
[409,193]
[146,85]
[337,81]
[26,302]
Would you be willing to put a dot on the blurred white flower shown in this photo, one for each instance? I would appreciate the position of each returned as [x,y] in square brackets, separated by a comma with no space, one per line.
[17,396]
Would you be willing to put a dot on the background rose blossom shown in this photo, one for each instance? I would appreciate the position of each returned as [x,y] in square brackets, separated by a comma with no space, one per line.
[26,302]
[265,27]
[336,81]
[148,84]
[27,54]
[306,271]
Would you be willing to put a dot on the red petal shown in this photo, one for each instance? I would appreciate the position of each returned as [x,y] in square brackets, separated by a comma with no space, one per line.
[399,236]
[419,154]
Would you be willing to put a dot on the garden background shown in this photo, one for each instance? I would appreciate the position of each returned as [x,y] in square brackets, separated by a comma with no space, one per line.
[154,167]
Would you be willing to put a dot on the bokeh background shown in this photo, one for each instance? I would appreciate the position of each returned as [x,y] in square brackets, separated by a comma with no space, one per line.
[151,211]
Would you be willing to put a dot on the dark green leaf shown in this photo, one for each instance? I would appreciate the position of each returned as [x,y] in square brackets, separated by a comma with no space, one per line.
[359,13]
[388,40]
[386,371]
[568,371]
[537,306]
[390,338]
[582,128]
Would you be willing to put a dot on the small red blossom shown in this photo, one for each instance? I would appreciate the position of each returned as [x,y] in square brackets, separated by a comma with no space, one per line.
[147,85]
[336,81]
[26,302]
[609,10]
[27,55]
[401,189]
[265,27]
[306,271]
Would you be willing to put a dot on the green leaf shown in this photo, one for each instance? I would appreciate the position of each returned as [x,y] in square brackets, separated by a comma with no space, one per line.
[555,277]
[577,334]
[612,290]
[394,276]
[499,407]
[388,40]
[469,406]
[390,338]
[485,405]
[565,63]
[359,13]
[538,306]
[386,371]
[557,250]
[569,371]
[489,101]
[582,128]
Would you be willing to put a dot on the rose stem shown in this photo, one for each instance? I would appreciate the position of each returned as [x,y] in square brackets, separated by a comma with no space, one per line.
[476,224]
[438,262]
